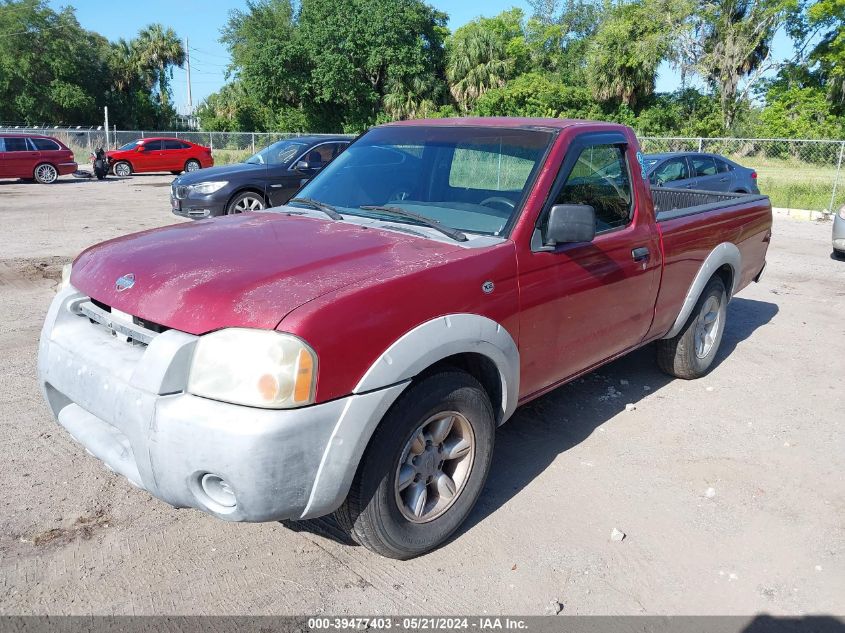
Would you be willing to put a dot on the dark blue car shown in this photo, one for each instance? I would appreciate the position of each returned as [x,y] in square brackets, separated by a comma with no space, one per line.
[695,170]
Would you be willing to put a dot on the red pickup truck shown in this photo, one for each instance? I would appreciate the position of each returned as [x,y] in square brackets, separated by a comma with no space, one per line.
[353,351]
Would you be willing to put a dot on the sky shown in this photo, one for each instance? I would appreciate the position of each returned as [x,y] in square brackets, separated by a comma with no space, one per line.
[201,20]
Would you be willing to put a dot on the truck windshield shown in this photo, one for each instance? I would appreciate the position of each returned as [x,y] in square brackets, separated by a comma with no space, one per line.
[466,178]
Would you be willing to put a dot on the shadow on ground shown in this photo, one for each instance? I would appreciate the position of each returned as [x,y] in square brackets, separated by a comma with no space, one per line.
[565,417]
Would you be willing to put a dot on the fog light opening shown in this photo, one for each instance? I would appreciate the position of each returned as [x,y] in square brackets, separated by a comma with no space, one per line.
[218,490]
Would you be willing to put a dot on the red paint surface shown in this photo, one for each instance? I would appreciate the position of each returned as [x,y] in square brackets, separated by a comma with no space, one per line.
[351,292]
[151,160]
[23,164]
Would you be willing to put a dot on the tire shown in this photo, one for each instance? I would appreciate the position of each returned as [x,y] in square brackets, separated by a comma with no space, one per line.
[45,174]
[192,165]
[245,201]
[122,169]
[691,353]
[380,511]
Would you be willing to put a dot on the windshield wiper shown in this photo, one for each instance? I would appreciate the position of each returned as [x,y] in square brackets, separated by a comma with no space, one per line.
[328,209]
[455,234]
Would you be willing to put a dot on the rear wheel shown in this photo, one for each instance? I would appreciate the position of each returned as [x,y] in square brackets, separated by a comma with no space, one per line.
[246,201]
[423,469]
[46,174]
[192,165]
[691,353]
[122,169]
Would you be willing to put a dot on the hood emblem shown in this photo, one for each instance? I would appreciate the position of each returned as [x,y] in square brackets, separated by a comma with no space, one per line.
[125,282]
[487,287]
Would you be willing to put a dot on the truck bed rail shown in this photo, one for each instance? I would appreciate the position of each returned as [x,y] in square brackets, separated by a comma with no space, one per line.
[674,203]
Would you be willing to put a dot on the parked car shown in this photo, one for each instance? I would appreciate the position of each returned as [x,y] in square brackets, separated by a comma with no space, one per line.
[694,170]
[266,179]
[34,157]
[159,154]
[354,351]
[839,232]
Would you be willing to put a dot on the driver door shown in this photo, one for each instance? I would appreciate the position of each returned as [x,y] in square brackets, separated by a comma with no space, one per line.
[283,181]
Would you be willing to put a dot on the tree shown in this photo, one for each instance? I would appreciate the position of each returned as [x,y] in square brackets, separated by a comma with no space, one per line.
[476,62]
[631,42]
[828,18]
[157,50]
[728,43]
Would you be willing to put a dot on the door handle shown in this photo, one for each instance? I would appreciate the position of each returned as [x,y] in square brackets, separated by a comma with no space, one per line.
[724,179]
[640,254]
[276,186]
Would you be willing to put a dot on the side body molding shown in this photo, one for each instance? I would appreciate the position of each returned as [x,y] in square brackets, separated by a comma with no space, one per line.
[388,377]
[724,253]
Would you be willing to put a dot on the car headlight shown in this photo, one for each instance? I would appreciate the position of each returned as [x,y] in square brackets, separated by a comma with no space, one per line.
[65,282]
[257,368]
[842,212]
[205,188]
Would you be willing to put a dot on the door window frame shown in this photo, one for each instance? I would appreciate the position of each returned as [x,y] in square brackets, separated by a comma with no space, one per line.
[576,147]
[313,147]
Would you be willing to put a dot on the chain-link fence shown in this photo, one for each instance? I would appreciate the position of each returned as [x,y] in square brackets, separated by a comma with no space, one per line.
[795,173]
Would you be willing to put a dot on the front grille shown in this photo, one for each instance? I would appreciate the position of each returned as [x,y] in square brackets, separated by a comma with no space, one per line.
[139,332]
[180,192]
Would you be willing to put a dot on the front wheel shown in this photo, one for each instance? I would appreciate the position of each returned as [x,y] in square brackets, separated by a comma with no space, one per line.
[122,169]
[46,174]
[691,353]
[246,201]
[423,469]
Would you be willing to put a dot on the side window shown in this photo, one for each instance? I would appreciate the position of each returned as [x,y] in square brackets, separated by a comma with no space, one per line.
[152,146]
[600,178]
[320,155]
[45,144]
[671,170]
[703,166]
[724,167]
[16,144]
[338,148]
[2,144]
[167,145]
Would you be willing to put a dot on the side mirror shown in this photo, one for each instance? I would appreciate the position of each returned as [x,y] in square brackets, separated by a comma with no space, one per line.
[302,165]
[571,223]
[140,148]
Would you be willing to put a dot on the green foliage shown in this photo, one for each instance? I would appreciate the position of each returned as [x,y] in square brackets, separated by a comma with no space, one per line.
[799,113]
[537,95]
[52,71]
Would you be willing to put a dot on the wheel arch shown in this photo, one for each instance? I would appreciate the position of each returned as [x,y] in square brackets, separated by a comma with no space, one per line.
[473,343]
[244,189]
[724,261]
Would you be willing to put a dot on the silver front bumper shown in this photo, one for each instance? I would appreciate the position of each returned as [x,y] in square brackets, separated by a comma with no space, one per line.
[839,233]
[128,406]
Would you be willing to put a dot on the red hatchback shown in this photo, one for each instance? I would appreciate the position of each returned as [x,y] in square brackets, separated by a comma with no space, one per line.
[32,156]
[159,154]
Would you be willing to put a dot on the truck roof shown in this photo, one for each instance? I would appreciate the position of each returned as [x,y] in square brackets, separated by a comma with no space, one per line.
[506,122]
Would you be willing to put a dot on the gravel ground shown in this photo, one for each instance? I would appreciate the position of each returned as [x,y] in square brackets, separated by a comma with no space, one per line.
[729,489]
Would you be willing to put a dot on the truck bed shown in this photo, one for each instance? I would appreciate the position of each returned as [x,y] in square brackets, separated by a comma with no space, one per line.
[676,203]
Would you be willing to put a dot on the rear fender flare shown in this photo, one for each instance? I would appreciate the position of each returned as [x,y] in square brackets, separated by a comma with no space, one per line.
[725,253]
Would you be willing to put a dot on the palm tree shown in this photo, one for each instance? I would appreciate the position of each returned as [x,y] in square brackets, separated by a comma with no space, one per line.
[476,63]
[123,63]
[408,99]
[158,50]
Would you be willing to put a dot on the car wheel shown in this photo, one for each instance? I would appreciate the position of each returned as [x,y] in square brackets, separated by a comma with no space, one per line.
[46,174]
[122,169]
[192,165]
[691,353]
[423,469]
[246,201]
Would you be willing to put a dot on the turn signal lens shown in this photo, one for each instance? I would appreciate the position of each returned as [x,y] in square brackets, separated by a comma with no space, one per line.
[303,387]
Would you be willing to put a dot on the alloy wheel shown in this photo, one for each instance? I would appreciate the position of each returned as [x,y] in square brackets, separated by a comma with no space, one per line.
[434,466]
[707,326]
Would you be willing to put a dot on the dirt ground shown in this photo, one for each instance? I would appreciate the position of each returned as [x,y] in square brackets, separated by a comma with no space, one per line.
[730,489]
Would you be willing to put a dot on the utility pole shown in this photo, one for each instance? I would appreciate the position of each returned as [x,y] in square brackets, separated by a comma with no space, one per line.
[106,111]
[188,68]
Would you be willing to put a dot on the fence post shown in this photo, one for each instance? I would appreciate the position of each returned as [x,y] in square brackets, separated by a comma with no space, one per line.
[700,144]
[210,141]
[253,142]
[836,178]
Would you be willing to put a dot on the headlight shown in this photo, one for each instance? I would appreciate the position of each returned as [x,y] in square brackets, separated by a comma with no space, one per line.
[206,188]
[842,212]
[257,368]
[65,282]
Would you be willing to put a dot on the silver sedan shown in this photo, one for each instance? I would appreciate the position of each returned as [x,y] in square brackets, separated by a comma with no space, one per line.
[839,232]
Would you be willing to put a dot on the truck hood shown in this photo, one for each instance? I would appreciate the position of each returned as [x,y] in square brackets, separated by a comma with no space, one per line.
[247,270]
